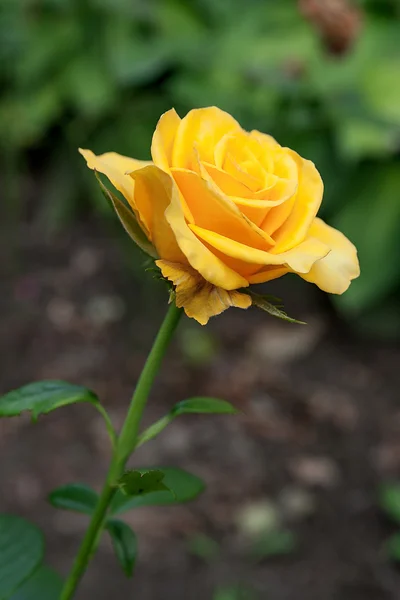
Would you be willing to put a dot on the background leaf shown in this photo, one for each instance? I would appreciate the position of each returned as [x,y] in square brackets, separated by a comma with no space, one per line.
[125,544]
[74,496]
[184,486]
[21,551]
[44,584]
[42,397]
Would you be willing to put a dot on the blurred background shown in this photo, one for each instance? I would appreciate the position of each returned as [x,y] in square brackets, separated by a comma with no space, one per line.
[294,506]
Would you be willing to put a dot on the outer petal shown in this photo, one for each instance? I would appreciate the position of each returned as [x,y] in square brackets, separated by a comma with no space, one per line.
[200,299]
[299,259]
[268,274]
[333,273]
[116,167]
[199,257]
[152,197]
[298,213]
[203,128]
[163,139]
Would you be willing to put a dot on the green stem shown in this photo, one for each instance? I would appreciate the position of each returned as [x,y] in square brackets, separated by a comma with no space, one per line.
[122,450]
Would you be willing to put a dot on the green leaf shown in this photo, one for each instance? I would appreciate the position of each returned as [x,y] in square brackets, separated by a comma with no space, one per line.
[197,405]
[392,547]
[128,220]
[74,496]
[21,551]
[137,483]
[203,405]
[263,302]
[372,222]
[274,543]
[42,397]
[45,584]
[389,500]
[125,544]
[154,429]
[184,485]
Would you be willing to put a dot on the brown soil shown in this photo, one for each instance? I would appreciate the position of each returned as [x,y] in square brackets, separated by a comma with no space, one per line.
[319,429]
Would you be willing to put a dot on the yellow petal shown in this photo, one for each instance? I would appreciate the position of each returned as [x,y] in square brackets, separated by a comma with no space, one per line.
[163,139]
[203,128]
[333,273]
[214,210]
[152,196]
[116,167]
[199,257]
[304,207]
[199,298]
[300,259]
[227,183]
[266,140]
[268,274]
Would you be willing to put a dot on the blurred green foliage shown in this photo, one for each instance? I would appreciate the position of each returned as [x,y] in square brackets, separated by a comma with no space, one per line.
[98,73]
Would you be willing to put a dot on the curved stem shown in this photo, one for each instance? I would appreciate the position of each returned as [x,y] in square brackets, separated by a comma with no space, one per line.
[124,447]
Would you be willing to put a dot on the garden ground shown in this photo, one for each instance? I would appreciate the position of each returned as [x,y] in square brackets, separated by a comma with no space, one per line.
[318,432]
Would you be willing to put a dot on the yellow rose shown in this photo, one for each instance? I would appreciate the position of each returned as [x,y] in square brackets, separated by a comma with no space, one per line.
[225,208]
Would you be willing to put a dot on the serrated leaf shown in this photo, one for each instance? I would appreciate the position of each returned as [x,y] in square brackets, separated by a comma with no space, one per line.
[263,302]
[21,552]
[42,397]
[128,221]
[184,485]
[45,584]
[389,500]
[137,483]
[203,405]
[125,544]
[74,496]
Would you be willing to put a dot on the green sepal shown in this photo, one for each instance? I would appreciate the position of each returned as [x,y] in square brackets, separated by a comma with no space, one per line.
[128,220]
[271,305]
